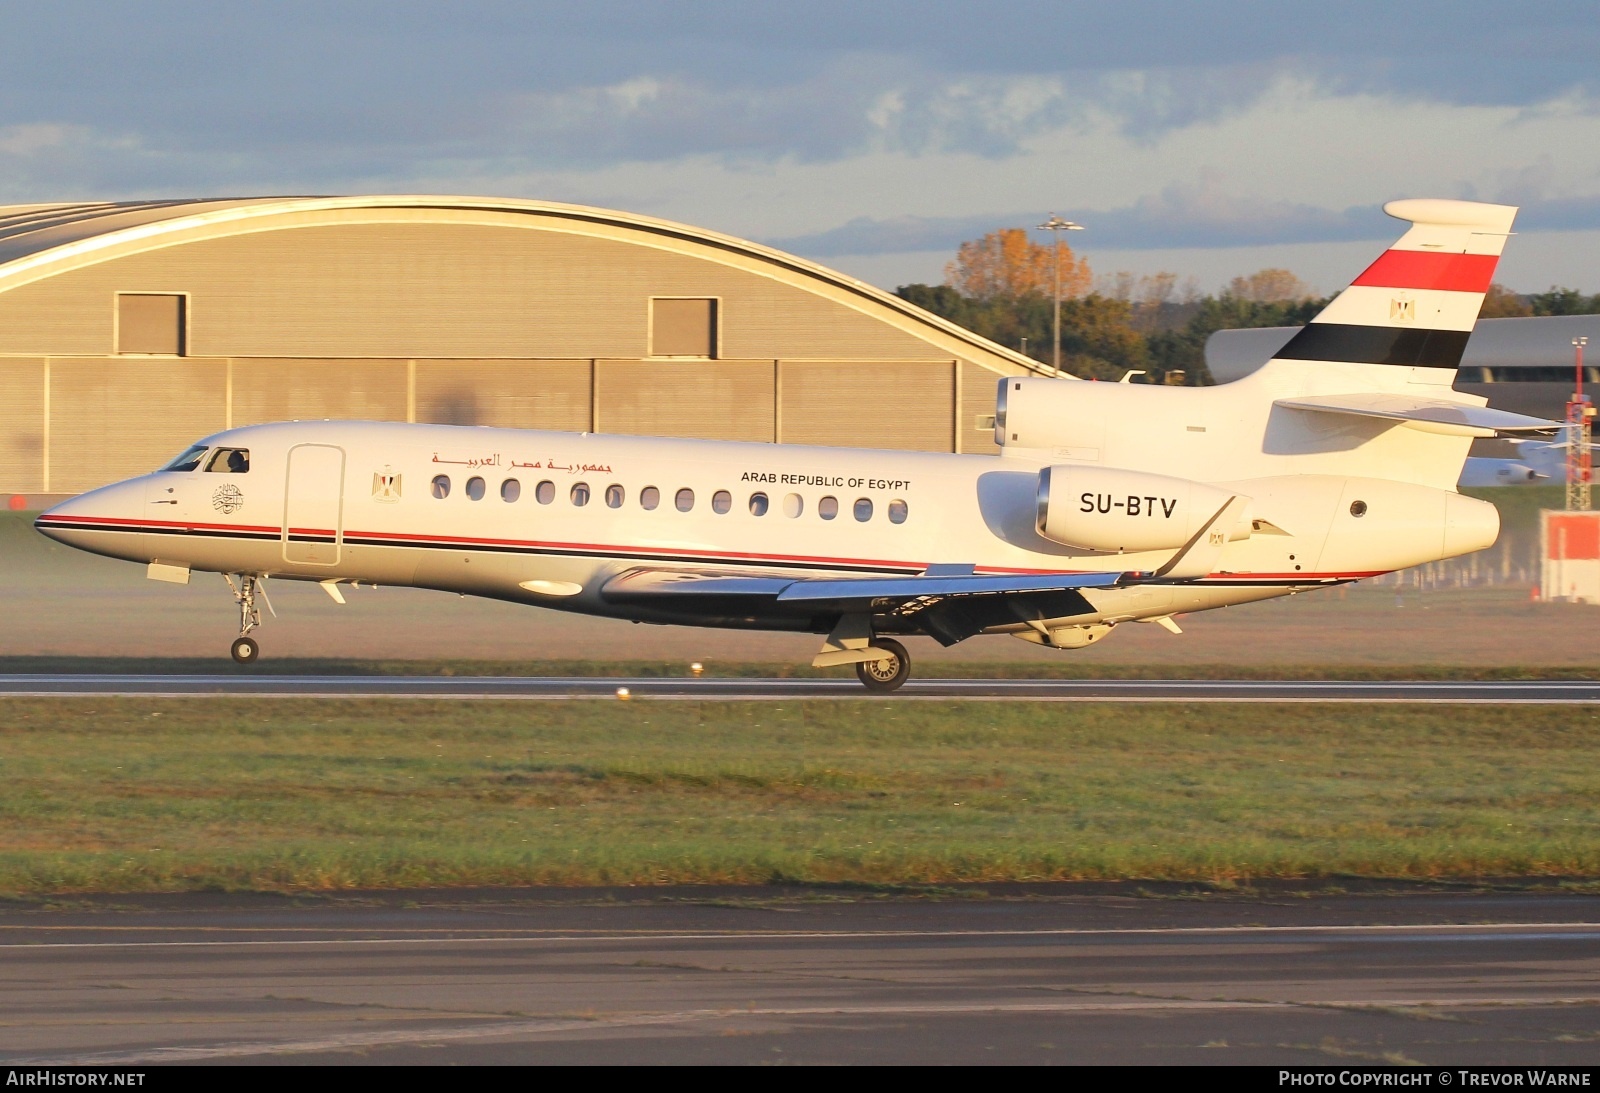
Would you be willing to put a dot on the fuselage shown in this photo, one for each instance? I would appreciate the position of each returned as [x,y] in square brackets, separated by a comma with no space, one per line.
[550,518]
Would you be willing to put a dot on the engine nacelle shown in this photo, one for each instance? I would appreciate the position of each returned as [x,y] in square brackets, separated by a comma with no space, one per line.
[1115,511]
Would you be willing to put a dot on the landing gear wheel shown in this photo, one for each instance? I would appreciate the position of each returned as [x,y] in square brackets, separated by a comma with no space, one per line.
[885,675]
[246,651]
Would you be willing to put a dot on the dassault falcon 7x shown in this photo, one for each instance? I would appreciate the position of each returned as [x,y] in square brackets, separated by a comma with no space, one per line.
[1110,503]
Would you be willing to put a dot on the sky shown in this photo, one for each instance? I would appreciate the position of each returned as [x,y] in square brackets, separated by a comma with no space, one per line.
[1206,139]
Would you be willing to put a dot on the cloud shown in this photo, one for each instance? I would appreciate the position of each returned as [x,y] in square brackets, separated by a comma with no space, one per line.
[1178,216]
[606,81]
[1172,219]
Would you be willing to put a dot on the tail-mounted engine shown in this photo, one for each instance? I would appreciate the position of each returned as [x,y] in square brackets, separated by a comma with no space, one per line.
[1115,511]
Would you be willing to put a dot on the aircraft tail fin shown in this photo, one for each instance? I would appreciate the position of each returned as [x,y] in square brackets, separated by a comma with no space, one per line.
[1407,318]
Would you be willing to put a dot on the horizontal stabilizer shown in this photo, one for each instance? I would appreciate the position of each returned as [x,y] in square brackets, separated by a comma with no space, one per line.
[1427,415]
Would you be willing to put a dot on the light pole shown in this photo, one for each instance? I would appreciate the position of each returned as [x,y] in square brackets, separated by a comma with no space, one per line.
[1056,225]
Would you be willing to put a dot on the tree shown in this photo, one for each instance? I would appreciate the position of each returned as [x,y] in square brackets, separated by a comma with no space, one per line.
[1006,264]
[1186,349]
[1564,301]
[1269,286]
[1501,303]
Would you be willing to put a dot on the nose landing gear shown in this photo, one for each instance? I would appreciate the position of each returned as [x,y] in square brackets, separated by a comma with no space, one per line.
[245,650]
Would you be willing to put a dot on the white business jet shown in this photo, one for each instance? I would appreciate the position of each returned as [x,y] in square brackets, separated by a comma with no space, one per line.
[1110,503]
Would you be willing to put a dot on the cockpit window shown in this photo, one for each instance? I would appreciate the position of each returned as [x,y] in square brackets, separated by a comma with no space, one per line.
[189,460]
[230,461]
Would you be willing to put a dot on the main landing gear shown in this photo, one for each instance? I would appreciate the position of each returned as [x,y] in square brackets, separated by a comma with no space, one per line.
[245,650]
[887,674]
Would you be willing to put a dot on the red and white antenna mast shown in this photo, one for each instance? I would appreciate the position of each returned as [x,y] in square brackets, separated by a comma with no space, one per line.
[1579,416]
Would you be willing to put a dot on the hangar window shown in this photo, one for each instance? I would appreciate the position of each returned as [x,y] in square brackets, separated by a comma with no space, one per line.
[758,504]
[897,512]
[441,486]
[793,505]
[230,461]
[683,328]
[544,492]
[510,490]
[684,500]
[721,501]
[580,494]
[828,508]
[476,489]
[614,496]
[649,497]
[863,509]
[152,324]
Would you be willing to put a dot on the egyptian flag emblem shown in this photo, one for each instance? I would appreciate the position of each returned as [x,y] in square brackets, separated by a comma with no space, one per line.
[386,486]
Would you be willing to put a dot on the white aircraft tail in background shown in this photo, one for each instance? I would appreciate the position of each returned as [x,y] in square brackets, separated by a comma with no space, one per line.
[1111,503]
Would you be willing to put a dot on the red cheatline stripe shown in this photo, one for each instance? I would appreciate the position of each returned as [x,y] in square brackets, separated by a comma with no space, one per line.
[644,552]
[1428,269]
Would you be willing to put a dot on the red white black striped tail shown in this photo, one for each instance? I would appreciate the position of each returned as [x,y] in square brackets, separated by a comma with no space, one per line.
[1416,305]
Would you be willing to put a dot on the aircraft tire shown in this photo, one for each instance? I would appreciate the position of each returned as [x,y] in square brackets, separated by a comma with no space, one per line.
[245,651]
[884,676]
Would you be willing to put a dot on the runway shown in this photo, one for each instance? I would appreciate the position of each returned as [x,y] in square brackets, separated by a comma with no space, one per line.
[1041,974]
[754,690]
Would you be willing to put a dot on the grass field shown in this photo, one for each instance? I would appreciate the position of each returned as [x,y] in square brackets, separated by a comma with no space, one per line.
[287,794]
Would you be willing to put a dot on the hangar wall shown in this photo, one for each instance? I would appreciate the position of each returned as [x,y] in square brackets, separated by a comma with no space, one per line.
[460,316]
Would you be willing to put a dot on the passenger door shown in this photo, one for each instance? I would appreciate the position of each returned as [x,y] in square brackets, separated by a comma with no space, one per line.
[313,505]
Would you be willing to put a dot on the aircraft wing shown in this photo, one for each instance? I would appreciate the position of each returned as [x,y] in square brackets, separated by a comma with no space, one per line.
[949,606]
[1428,415]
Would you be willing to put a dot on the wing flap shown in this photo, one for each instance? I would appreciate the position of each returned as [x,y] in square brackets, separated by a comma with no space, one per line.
[867,591]
[1427,415]
[948,606]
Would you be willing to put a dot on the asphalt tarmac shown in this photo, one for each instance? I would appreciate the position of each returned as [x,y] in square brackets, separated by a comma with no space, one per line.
[1020,974]
[745,690]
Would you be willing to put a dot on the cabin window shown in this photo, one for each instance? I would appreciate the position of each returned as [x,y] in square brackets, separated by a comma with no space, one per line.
[580,494]
[683,328]
[614,496]
[151,324]
[758,504]
[510,490]
[684,499]
[476,488]
[544,492]
[441,486]
[897,512]
[230,461]
[793,505]
[189,460]
[721,502]
[828,508]
[649,498]
[863,509]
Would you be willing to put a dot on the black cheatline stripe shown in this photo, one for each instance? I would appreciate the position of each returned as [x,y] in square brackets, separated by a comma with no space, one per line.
[1377,345]
[498,548]
[600,552]
[141,529]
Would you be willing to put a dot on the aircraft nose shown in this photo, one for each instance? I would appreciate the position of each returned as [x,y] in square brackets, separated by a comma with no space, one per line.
[106,521]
